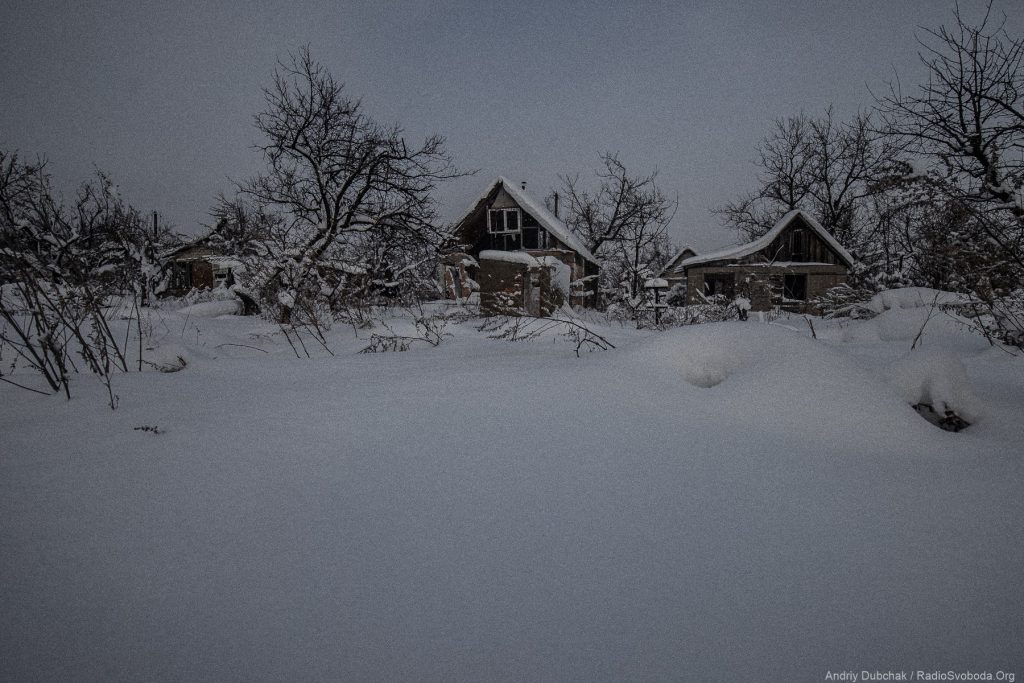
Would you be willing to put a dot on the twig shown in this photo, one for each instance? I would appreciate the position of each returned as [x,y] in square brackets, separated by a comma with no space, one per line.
[22,386]
[931,312]
[246,346]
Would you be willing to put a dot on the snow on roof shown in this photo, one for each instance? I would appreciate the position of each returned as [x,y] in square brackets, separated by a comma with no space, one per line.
[536,209]
[764,241]
[655,283]
[673,262]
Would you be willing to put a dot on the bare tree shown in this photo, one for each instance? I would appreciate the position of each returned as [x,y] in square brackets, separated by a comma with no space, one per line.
[966,122]
[785,158]
[620,204]
[333,173]
[820,164]
[621,218]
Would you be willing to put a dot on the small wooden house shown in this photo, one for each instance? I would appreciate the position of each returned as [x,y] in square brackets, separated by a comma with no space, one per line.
[518,255]
[197,266]
[792,264]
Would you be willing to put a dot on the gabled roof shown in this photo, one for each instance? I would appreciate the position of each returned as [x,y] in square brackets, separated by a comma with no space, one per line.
[769,237]
[539,212]
[673,263]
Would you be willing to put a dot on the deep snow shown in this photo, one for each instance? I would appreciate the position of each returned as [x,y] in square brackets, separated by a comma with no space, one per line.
[734,501]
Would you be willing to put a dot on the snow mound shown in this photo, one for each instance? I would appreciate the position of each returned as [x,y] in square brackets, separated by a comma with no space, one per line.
[167,357]
[707,355]
[937,379]
[937,328]
[709,366]
[912,297]
[212,309]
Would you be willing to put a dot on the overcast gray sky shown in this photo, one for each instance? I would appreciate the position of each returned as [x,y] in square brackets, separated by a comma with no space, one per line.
[162,95]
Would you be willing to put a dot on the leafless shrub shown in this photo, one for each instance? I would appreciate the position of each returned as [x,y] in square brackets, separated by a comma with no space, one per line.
[525,328]
[429,329]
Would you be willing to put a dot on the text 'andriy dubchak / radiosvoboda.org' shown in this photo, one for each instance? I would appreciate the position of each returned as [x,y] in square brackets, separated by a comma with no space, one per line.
[919,675]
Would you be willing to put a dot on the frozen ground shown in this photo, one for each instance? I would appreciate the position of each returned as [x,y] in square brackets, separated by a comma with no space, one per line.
[723,502]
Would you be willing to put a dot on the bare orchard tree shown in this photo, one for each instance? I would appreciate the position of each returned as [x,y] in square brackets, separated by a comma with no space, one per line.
[785,158]
[333,172]
[620,202]
[620,218]
[966,122]
[824,165]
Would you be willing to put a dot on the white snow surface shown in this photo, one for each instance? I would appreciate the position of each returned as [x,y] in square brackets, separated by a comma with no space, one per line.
[913,297]
[937,378]
[723,502]
[209,309]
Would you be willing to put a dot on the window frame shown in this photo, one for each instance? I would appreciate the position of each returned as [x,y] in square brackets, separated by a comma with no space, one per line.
[504,221]
[727,280]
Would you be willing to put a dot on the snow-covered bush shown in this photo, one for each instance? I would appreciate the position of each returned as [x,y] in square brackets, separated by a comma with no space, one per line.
[935,384]
[999,318]
[845,301]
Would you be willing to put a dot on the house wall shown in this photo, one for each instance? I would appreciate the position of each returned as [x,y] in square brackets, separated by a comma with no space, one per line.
[763,284]
[516,289]
[761,276]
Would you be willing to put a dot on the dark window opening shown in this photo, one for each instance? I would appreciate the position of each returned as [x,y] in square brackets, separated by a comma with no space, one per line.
[505,242]
[503,220]
[720,283]
[798,245]
[531,238]
[795,287]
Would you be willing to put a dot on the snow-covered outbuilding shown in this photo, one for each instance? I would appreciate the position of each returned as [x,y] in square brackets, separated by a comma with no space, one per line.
[673,271]
[518,255]
[198,266]
[792,264]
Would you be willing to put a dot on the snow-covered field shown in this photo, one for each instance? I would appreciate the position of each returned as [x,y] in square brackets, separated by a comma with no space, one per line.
[735,501]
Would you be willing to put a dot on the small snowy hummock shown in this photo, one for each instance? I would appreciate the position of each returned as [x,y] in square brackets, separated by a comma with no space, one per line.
[936,379]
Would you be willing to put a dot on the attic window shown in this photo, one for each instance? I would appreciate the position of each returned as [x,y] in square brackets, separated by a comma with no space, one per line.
[798,245]
[533,238]
[503,220]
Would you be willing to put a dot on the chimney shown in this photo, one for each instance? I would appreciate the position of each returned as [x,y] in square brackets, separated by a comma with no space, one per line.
[556,205]
[156,231]
[522,184]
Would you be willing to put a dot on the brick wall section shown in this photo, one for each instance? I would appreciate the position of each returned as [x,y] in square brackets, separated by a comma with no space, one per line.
[503,287]
[516,289]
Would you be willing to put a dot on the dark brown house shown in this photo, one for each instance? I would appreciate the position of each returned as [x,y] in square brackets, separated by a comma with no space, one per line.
[518,255]
[795,262]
